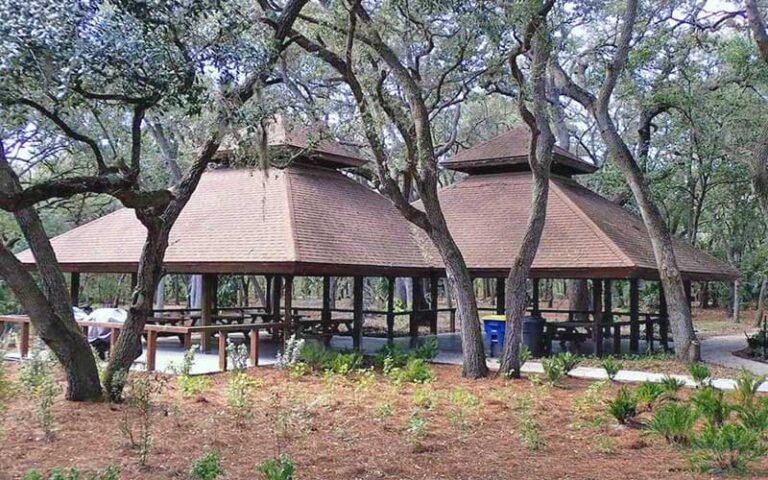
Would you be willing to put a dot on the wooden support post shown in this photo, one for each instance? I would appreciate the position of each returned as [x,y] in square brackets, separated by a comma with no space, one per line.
[501,292]
[268,295]
[433,303]
[648,333]
[277,287]
[597,314]
[634,315]
[290,328]
[23,340]
[390,310]
[535,298]
[254,348]
[207,304]
[134,280]
[608,316]
[663,319]
[357,331]
[417,306]
[74,288]
[187,341]
[325,315]
[114,333]
[151,350]
[688,294]
[223,351]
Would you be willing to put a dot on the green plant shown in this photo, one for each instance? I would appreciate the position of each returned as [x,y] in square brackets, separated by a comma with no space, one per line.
[528,429]
[611,367]
[711,404]
[415,370]
[315,356]
[524,355]
[276,469]
[238,393]
[701,374]
[417,430]
[36,369]
[109,473]
[624,406]
[238,355]
[462,404]
[673,422]
[553,370]
[383,411]
[291,354]
[606,445]
[567,361]
[190,385]
[586,406]
[141,391]
[747,385]
[207,467]
[424,397]
[671,386]
[647,393]
[728,447]
[45,395]
[427,350]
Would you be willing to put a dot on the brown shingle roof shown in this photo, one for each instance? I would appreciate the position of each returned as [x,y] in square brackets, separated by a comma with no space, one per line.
[509,152]
[585,235]
[300,219]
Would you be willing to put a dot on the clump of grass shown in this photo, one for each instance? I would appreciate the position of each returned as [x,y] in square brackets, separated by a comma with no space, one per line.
[624,406]
[611,367]
[674,423]
[727,448]
[710,403]
[701,374]
[647,393]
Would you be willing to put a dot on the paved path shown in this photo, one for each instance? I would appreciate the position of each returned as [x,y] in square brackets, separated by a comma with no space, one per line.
[719,351]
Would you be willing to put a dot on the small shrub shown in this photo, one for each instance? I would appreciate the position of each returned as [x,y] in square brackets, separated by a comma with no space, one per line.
[701,374]
[753,415]
[647,393]
[586,406]
[427,350]
[190,385]
[36,370]
[415,370]
[315,356]
[462,404]
[671,386]
[238,393]
[238,355]
[384,411]
[746,388]
[417,430]
[528,428]
[611,367]
[424,397]
[298,370]
[345,363]
[524,355]
[291,354]
[276,469]
[207,467]
[45,395]
[710,403]
[567,361]
[553,370]
[624,406]
[726,448]
[674,423]
[109,473]
[141,391]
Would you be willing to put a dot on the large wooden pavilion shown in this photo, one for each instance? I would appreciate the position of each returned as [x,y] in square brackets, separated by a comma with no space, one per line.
[311,218]
[586,236]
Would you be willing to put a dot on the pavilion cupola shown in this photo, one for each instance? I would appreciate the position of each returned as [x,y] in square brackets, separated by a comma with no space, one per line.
[300,145]
[508,152]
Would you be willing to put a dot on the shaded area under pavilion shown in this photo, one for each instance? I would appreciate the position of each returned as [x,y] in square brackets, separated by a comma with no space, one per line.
[311,218]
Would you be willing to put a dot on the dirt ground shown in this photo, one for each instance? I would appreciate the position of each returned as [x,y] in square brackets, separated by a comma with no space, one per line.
[336,428]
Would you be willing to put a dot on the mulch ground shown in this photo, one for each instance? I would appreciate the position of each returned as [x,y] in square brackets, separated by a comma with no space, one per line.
[335,428]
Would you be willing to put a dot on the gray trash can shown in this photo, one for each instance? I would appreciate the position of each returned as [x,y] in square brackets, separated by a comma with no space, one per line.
[533,334]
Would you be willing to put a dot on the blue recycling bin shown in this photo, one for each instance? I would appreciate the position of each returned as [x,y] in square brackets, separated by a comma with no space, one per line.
[495,326]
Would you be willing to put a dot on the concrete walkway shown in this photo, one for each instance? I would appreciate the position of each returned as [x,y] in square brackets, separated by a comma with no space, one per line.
[719,351]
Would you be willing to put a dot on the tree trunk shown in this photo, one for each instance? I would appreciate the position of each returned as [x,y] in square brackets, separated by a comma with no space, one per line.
[736,301]
[578,299]
[761,301]
[50,311]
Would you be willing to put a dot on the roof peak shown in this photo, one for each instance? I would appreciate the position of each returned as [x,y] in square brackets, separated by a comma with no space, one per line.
[509,152]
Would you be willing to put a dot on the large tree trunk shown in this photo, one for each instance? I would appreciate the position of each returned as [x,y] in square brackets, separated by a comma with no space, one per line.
[50,312]
[761,301]
[686,345]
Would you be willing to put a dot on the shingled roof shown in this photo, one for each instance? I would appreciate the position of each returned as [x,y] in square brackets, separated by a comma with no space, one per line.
[585,235]
[298,220]
[509,152]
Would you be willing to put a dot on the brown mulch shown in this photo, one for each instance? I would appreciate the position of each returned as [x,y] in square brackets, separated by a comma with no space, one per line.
[339,429]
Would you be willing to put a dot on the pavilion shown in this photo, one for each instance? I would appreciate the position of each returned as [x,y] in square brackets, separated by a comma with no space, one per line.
[586,236]
[311,217]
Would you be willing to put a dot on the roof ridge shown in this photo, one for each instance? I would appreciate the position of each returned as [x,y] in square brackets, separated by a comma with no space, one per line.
[293,244]
[576,209]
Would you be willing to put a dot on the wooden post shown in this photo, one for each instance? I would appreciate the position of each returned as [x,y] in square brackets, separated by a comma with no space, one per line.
[206,312]
[417,306]
[74,288]
[151,350]
[433,303]
[597,314]
[663,320]
[535,294]
[254,348]
[501,299]
[357,315]
[277,286]
[223,351]
[390,310]
[24,340]
[325,315]
[134,280]
[268,296]
[688,294]
[289,328]
[608,316]
[634,315]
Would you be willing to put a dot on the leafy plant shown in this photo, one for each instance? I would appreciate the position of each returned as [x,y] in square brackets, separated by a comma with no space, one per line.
[207,467]
[109,473]
[586,406]
[383,411]
[238,356]
[524,355]
[553,370]
[753,415]
[291,354]
[415,370]
[624,406]
[746,387]
[567,361]
[462,404]
[611,367]
[711,404]
[36,369]
[190,385]
[673,422]
[417,430]
[424,397]
[701,374]
[671,386]
[45,394]
[345,363]
[315,356]
[276,469]
[728,447]
[647,393]
[238,393]
[427,350]
[141,391]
